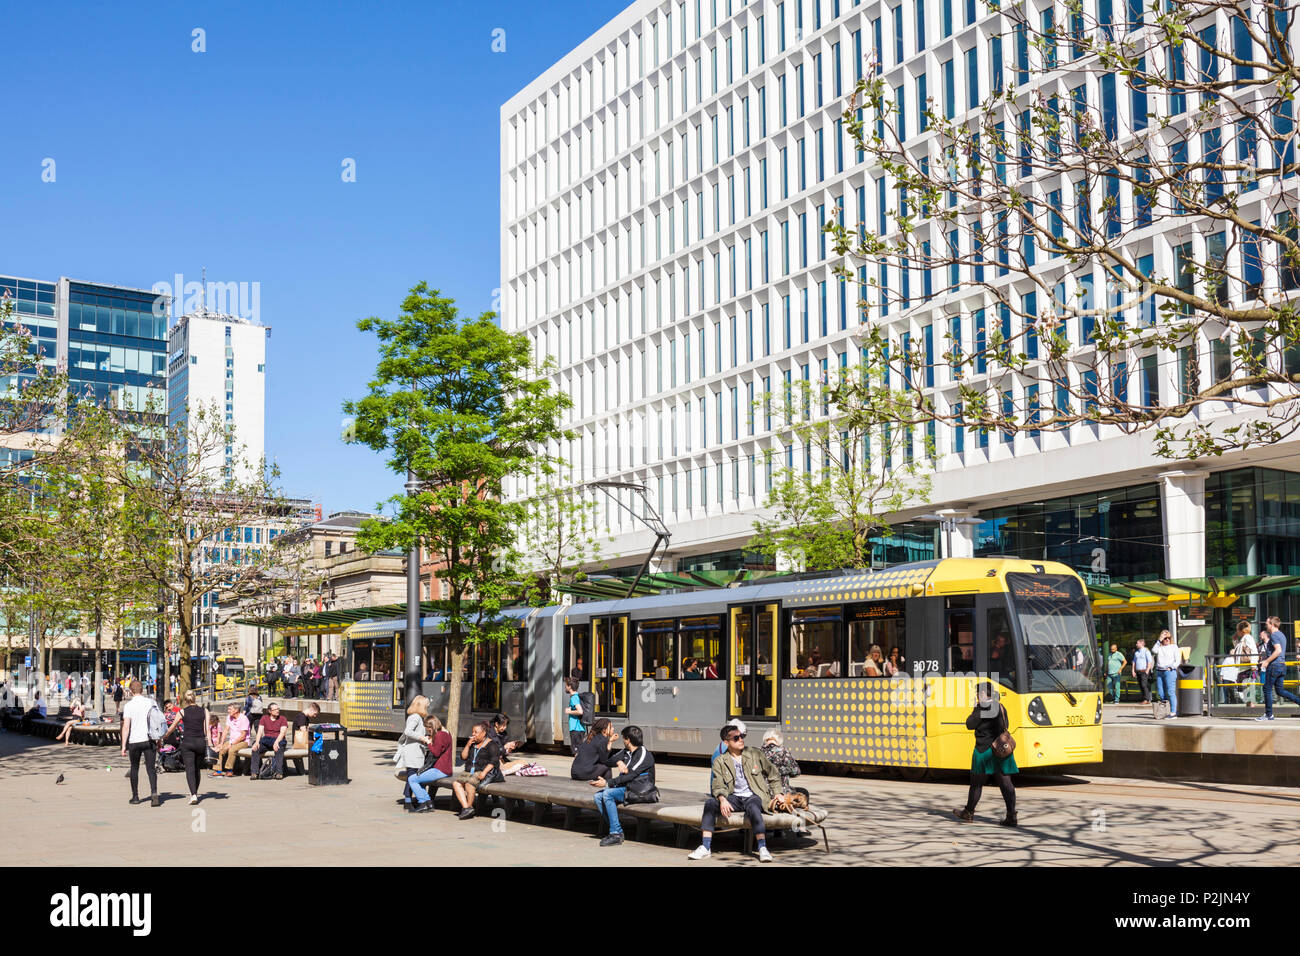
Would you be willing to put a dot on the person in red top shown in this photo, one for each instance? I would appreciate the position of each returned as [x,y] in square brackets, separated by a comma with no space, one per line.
[272,733]
[436,766]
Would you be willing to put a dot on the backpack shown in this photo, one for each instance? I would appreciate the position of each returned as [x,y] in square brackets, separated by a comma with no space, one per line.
[157,723]
[587,701]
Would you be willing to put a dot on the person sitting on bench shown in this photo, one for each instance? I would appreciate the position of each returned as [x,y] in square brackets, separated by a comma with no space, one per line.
[480,755]
[595,758]
[272,735]
[78,715]
[633,782]
[742,779]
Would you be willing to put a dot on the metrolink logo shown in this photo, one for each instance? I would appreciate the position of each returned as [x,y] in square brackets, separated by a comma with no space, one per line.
[242,299]
[75,909]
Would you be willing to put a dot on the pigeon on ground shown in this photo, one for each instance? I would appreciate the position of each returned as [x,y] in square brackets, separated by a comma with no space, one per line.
[60,780]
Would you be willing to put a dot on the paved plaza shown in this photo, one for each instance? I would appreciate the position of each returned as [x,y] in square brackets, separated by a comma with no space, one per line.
[874,821]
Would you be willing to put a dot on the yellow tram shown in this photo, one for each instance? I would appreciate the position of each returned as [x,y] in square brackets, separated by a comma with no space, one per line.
[857,667]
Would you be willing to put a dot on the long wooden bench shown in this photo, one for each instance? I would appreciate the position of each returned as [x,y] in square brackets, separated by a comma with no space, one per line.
[683,809]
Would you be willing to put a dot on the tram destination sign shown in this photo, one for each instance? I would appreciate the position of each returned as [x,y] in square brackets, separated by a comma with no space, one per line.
[867,612]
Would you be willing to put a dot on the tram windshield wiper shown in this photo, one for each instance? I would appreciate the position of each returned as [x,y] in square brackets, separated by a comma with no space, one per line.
[1029,659]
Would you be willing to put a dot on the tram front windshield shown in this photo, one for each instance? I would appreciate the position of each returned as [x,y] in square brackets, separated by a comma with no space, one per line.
[1056,628]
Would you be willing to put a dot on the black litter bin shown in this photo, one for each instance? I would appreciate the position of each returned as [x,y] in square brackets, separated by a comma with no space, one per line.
[329,767]
[1191,690]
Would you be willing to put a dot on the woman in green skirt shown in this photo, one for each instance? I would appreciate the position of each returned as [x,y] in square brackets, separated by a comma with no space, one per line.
[989,720]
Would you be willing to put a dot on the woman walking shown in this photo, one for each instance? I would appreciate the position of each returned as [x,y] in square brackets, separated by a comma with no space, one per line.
[193,721]
[437,764]
[412,743]
[989,721]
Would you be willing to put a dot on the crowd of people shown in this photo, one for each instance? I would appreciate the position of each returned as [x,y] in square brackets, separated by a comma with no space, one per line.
[314,678]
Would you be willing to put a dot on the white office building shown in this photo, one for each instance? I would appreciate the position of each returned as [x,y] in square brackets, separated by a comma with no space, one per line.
[220,360]
[663,188]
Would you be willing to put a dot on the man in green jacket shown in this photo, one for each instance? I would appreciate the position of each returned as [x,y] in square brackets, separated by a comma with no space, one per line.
[742,779]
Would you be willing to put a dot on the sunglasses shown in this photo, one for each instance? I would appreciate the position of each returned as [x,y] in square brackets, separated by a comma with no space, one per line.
[735,737]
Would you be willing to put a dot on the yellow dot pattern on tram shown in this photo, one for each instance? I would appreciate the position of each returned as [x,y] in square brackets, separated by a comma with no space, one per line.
[871,721]
[874,586]
[365,706]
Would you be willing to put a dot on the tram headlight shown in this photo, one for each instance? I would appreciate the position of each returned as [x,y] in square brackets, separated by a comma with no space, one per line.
[1037,711]
[1098,720]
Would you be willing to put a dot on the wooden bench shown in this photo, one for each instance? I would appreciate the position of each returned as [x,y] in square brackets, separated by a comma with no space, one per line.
[683,809]
[244,759]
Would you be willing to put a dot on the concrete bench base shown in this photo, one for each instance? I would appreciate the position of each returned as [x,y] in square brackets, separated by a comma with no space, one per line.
[682,809]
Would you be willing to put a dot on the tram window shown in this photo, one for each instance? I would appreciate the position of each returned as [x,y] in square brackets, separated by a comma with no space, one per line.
[959,637]
[381,662]
[879,627]
[654,648]
[577,646]
[362,652]
[435,658]
[512,660]
[701,648]
[1002,654]
[816,643]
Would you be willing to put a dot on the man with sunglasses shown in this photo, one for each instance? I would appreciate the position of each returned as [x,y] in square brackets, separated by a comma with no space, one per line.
[742,779]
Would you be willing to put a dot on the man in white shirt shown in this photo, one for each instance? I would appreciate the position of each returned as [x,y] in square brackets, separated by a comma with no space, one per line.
[136,742]
[1168,658]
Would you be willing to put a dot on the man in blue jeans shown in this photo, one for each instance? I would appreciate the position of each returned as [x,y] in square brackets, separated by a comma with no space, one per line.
[635,764]
[1274,668]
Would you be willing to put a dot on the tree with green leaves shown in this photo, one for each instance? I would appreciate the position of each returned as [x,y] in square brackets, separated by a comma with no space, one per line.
[1112,210]
[32,394]
[847,468]
[459,404]
[92,571]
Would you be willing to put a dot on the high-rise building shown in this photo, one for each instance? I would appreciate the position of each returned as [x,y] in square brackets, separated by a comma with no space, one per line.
[663,189]
[220,361]
[111,339]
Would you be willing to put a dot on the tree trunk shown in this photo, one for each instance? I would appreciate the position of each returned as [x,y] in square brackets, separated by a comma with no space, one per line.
[185,607]
[453,692]
[98,689]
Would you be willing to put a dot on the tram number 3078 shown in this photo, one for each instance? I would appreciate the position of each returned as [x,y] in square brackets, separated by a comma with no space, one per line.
[922,666]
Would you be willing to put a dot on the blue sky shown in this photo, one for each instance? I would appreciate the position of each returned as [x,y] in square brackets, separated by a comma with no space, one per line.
[168,160]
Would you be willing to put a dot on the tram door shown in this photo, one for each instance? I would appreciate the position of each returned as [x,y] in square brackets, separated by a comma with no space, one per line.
[751,689]
[487,675]
[609,670]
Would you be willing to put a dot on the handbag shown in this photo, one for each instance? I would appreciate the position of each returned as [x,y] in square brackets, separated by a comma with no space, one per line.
[1004,745]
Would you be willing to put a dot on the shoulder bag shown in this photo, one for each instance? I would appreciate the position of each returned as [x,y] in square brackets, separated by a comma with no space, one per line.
[1004,745]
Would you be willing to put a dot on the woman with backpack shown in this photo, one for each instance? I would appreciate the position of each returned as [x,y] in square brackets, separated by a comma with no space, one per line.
[577,730]
[992,737]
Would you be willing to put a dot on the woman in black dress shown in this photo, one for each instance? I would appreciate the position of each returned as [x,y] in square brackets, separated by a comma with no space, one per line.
[989,720]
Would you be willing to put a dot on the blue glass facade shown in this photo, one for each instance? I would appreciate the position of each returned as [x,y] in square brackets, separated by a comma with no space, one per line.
[117,346]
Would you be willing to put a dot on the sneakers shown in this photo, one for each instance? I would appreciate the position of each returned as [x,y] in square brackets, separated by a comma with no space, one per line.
[155,801]
[194,798]
[614,839]
[763,855]
[465,814]
[1264,717]
[424,808]
[964,815]
[701,852]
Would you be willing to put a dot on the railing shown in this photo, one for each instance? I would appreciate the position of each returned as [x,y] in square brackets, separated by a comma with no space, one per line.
[1233,689]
